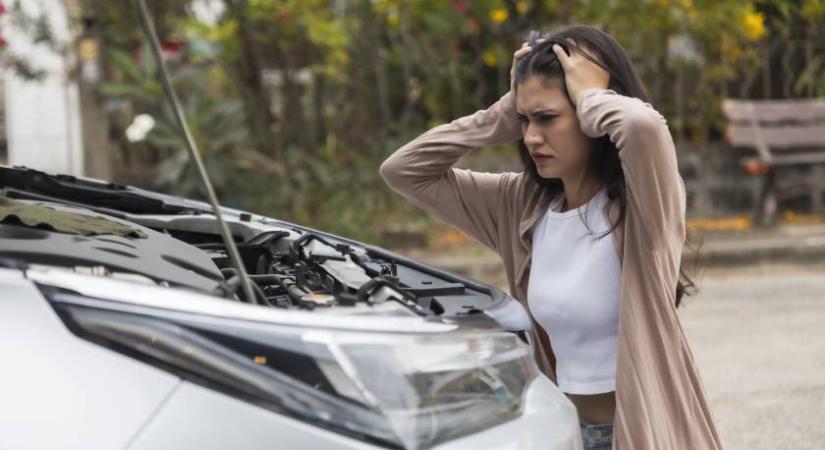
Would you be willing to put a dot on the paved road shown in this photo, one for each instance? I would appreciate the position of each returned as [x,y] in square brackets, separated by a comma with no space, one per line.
[758,337]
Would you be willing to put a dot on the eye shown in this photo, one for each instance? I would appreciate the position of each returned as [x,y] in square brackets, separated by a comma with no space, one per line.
[522,118]
[545,118]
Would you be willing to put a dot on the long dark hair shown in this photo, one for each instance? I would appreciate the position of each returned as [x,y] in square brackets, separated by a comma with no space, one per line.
[604,160]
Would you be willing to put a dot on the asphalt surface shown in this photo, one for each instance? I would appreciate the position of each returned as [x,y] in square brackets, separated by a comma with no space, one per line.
[758,337]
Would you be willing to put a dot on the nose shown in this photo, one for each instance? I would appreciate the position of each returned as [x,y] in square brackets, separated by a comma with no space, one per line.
[532,136]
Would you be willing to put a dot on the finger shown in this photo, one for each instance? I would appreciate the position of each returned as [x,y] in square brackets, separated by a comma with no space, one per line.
[571,44]
[588,54]
[573,47]
[521,52]
[561,55]
[577,51]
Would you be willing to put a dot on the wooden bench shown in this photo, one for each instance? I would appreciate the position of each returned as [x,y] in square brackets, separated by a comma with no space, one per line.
[784,134]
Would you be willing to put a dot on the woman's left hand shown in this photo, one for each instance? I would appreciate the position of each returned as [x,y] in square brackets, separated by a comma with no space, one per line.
[580,73]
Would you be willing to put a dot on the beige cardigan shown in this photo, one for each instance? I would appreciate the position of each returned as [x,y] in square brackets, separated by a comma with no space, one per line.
[660,401]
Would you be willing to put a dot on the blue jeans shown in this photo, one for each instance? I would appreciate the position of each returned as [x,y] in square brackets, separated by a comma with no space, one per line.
[597,437]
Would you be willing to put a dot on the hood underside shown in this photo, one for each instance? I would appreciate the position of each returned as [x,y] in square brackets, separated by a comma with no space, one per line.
[173,241]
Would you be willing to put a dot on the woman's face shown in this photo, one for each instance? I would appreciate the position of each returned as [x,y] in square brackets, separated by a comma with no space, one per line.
[550,127]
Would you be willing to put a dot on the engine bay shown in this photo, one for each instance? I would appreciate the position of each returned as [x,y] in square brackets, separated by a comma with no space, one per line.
[174,242]
[307,271]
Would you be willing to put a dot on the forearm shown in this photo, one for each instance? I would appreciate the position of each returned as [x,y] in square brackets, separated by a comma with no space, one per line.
[648,157]
[422,172]
[431,154]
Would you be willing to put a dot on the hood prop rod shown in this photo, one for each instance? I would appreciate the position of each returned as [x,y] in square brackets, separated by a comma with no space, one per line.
[234,255]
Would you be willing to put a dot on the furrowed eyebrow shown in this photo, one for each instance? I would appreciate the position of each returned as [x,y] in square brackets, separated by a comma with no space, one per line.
[544,111]
[538,113]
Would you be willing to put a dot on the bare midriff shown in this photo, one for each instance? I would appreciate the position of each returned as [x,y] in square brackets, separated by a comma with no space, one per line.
[596,408]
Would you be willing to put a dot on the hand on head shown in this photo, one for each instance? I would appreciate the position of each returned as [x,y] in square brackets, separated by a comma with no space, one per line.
[580,72]
[517,55]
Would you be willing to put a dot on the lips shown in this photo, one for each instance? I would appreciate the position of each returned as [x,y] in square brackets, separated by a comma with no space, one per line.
[539,158]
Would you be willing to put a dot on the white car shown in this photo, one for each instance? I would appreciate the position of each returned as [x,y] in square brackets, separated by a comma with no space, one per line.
[122,326]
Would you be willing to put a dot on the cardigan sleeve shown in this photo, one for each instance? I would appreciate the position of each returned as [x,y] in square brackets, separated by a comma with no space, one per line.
[474,202]
[656,193]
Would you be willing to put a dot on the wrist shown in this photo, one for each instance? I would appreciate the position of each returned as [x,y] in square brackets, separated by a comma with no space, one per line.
[587,92]
[496,125]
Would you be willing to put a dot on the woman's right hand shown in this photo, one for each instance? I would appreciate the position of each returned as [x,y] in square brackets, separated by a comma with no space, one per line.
[517,55]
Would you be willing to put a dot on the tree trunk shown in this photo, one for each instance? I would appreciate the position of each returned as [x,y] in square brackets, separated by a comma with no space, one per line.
[255,96]
[97,160]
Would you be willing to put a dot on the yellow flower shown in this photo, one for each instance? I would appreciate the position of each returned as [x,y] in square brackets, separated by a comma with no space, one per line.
[489,58]
[522,7]
[753,25]
[498,15]
[392,19]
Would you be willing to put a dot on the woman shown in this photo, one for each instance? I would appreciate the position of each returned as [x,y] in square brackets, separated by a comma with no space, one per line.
[590,234]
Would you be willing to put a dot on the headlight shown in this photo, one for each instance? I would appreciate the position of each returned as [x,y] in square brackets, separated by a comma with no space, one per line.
[410,390]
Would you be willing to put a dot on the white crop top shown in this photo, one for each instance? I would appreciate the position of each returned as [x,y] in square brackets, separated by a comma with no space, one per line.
[574,294]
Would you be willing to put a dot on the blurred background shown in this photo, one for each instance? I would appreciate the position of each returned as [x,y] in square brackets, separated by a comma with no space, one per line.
[295,104]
